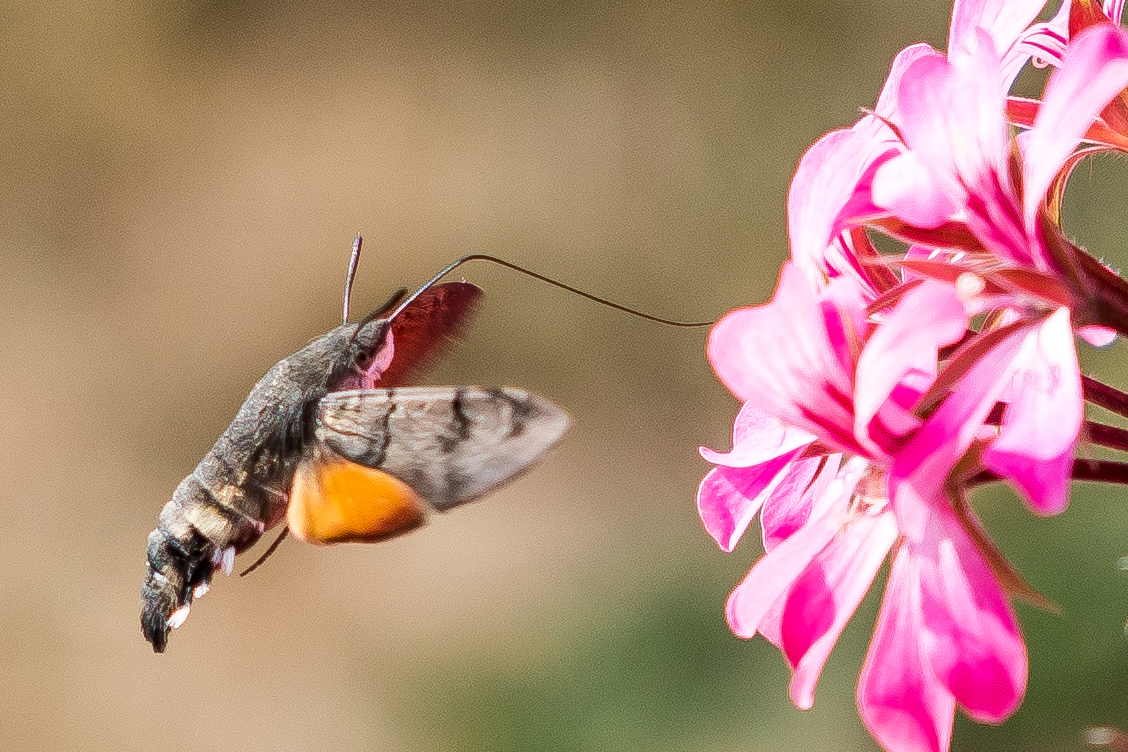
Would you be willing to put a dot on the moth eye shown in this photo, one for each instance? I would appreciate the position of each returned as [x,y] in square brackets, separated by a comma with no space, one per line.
[373,355]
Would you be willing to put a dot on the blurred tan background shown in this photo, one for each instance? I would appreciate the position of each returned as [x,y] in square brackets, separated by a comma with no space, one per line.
[179,186]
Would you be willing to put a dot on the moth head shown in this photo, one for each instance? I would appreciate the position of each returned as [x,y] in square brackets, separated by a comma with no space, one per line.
[363,351]
[370,352]
[389,346]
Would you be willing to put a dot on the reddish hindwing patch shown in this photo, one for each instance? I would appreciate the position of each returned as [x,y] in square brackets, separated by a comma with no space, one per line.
[424,329]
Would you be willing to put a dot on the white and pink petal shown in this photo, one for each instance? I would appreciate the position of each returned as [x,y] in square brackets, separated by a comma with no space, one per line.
[781,358]
[899,699]
[969,635]
[771,577]
[824,598]
[1043,416]
[1004,20]
[928,317]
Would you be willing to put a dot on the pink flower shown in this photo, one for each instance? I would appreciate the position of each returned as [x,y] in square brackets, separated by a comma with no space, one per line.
[936,165]
[878,387]
[822,382]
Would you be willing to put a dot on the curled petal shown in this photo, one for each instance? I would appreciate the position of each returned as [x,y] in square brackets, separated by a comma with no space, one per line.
[887,103]
[954,118]
[757,437]
[954,121]
[730,495]
[1095,70]
[1045,42]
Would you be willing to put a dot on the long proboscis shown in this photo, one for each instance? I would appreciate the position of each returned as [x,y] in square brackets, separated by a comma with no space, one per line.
[542,278]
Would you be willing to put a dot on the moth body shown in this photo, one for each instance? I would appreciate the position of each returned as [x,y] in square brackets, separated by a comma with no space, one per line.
[240,488]
[329,441]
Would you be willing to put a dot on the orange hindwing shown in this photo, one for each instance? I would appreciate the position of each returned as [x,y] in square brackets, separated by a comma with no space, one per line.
[336,501]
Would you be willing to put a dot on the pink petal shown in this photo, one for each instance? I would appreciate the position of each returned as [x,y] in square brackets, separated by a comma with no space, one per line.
[954,121]
[1094,71]
[824,181]
[757,437]
[907,189]
[789,504]
[970,637]
[1097,336]
[781,358]
[927,318]
[728,498]
[1113,9]
[899,699]
[925,106]
[753,599]
[825,596]
[769,625]
[921,467]
[742,342]
[1004,20]
[829,189]
[1044,41]
[773,574]
[887,103]
[1043,417]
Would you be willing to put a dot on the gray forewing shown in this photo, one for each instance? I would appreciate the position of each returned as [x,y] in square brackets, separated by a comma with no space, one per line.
[450,444]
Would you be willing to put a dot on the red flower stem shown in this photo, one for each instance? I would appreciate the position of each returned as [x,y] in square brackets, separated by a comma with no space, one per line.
[1106,436]
[1098,471]
[1103,395]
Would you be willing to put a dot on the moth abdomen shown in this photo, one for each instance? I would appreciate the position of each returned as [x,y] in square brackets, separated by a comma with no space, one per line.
[199,530]
[176,569]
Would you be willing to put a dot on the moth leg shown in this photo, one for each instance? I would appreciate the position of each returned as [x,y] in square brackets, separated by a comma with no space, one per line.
[269,552]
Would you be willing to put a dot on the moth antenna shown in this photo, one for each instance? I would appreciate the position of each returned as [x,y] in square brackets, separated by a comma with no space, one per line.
[353,261]
[556,283]
[281,536]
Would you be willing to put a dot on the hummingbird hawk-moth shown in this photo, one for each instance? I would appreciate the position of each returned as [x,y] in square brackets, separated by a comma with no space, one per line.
[331,441]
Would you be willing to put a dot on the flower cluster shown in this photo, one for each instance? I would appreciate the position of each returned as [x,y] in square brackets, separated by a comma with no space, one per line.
[878,388]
